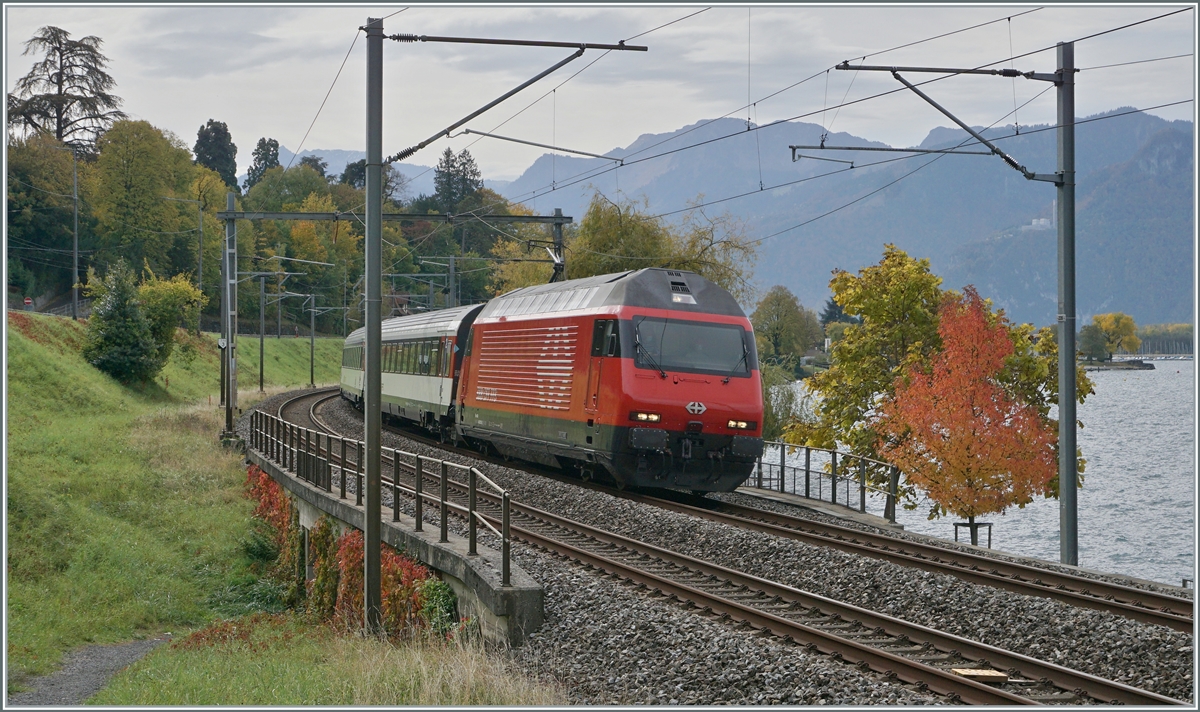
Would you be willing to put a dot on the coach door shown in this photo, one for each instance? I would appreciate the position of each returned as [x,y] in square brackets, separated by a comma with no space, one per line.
[604,345]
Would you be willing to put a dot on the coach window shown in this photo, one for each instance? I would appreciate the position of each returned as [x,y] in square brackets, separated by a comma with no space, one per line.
[605,338]
[435,357]
[404,352]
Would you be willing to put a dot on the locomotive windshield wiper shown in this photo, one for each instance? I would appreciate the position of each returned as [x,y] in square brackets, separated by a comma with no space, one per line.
[637,344]
[745,353]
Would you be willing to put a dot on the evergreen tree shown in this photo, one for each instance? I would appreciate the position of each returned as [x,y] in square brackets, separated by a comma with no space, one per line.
[66,94]
[395,183]
[317,164]
[120,339]
[355,174]
[215,149]
[266,157]
[833,313]
[455,178]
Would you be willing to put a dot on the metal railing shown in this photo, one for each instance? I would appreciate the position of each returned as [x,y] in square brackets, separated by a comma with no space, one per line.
[313,456]
[817,473]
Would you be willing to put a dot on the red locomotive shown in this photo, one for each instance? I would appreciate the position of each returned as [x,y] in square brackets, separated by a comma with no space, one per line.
[649,377]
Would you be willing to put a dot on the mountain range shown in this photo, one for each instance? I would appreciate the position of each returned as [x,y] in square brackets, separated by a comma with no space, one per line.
[976,219]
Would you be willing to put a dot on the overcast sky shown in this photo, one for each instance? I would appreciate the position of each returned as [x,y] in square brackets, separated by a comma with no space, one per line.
[265,70]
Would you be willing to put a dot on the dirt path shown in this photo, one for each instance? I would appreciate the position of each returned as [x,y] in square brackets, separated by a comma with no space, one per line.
[84,672]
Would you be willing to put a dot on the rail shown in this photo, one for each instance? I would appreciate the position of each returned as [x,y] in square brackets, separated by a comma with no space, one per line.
[313,455]
[822,472]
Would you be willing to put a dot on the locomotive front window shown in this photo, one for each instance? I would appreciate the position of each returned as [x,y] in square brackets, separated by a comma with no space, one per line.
[677,345]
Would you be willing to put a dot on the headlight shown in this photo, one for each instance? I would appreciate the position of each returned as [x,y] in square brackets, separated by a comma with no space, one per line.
[645,417]
[741,425]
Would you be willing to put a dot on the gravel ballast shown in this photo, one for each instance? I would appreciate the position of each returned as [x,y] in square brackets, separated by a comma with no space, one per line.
[608,642]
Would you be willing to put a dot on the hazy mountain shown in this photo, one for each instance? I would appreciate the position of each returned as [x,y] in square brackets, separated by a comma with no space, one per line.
[954,209]
[1134,244]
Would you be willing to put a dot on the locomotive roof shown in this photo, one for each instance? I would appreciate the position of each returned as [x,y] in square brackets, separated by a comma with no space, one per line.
[650,287]
[442,322]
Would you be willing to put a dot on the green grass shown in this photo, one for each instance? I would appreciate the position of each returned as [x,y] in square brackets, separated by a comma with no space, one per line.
[124,517]
[281,660]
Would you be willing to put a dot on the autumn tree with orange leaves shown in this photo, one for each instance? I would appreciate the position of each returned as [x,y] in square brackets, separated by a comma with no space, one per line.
[957,432]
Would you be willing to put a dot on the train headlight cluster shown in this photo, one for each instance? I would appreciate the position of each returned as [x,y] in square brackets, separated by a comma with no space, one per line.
[641,417]
[741,425]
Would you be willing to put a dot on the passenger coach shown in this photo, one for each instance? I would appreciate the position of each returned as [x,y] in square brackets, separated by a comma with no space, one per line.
[421,359]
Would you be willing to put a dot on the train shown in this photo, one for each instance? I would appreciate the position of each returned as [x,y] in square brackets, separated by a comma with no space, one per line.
[647,378]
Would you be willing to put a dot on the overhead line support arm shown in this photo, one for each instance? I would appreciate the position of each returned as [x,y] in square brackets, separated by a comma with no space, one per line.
[446,131]
[1030,175]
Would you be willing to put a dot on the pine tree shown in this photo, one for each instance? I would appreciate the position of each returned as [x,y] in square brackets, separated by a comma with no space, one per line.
[266,156]
[315,163]
[120,339]
[66,94]
[215,149]
[455,178]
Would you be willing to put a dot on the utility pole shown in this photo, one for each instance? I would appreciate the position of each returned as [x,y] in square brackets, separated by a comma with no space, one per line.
[262,326]
[229,297]
[1064,179]
[560,267]
[75,251]
[1068,510]
[373,271]
[200,250]
[75,255]
[373,277]
[312,342]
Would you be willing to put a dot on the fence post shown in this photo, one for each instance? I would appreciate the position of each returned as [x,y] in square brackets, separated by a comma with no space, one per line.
[445,534]
[758,482]
[893,492]
[395,485]
[862,485]
[417,485]
[358,463]
[504,538]
[807,472]
[342,463]
[833,477]
[782,461]
[471,531]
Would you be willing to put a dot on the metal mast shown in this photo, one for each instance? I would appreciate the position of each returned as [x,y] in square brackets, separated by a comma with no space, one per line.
[1064,179]
[373,272]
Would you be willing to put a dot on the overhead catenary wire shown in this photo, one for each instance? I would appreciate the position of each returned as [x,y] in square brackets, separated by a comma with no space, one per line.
[1136,61]
[594,173]
[965,142]
[576,74]
[331,86]
[590,174]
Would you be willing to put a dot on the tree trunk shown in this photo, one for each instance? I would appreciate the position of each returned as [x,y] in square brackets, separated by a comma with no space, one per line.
[974,530]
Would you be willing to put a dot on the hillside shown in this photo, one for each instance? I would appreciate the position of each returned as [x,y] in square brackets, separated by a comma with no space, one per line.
[952,203]
[1134,244]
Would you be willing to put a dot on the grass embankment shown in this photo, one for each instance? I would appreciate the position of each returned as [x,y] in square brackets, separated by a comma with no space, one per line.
[126,519]
[279,660]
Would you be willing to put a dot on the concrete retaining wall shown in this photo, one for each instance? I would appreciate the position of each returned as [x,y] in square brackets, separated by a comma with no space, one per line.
[505,614]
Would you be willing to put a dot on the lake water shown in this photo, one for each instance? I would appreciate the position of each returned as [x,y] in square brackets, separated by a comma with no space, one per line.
[1137,504]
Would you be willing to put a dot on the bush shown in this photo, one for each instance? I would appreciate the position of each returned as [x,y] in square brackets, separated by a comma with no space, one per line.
[120,340]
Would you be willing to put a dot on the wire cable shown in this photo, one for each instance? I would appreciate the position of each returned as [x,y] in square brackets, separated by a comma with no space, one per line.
[967,142]
[1136,61]
[331,86]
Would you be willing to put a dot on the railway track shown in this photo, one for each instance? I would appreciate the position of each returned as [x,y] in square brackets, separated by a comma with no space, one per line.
[1142,605]
[913,654]
[1138,604]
